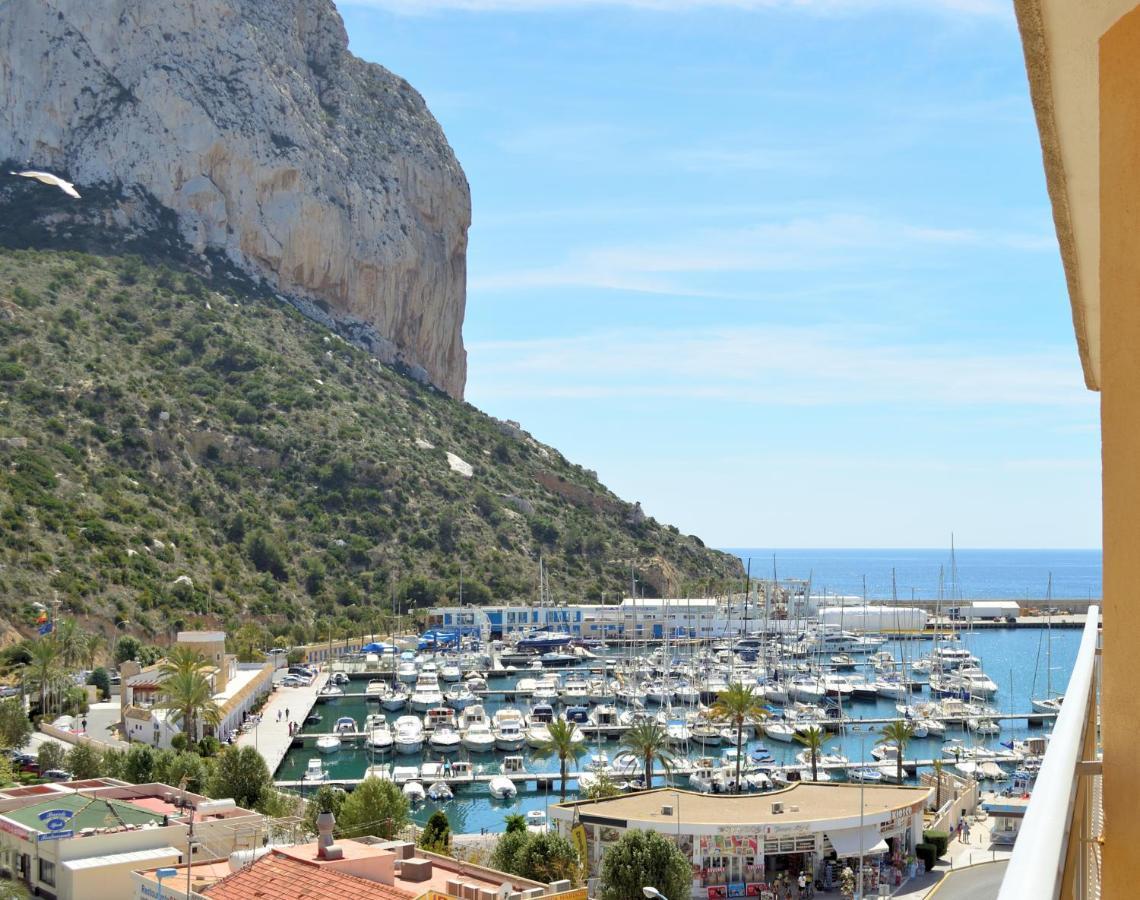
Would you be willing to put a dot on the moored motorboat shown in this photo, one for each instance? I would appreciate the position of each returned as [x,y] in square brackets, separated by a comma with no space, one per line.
[315,772]
[328,743]
[409,734]
[501,787]
[414,791]
[380,739]
[779,730]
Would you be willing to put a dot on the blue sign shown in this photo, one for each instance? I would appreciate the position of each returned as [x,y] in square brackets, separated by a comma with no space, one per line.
[56,821]
[54,835]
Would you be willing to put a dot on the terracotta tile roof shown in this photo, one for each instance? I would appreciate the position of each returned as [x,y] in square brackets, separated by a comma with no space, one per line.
[279,877]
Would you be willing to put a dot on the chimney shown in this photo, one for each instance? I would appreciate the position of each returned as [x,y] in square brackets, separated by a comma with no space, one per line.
[325,847]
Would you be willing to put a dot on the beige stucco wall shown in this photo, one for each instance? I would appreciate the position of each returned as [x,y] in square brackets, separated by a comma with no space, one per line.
[1120,429]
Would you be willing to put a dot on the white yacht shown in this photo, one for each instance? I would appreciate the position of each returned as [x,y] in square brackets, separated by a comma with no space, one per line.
[501,787]
[478,738]
[395,700]
[409,734]
[472,715]
[576,691]
[546,690]
[376,689]
[315,772]
[440,717]
[507,724]
[460,697]
[687,695]
[444,739]
[537,735]
[407,672]
[328,743]
[380,738]
[345,725]
[426,692]
[450,672]
[414,791]
[779,730]
[703,774]
[977,683]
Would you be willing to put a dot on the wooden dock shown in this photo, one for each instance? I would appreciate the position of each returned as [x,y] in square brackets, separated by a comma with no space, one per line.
[551,779]
[616,731]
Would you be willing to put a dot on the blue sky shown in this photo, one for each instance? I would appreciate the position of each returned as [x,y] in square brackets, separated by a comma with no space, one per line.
[783,271]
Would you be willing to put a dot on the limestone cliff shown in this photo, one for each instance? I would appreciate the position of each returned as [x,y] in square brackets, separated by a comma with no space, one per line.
[272,144]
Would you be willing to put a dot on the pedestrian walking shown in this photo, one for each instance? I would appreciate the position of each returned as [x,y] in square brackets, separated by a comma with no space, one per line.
[286,712]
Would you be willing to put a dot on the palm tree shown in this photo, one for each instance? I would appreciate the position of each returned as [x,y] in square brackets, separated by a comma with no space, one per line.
[565,741]
[92,644]
[70,641]
[189,695]
[898,733]
[648,741]
[937,785]
[45,668]
[812,738]
[182,658]
[738,704]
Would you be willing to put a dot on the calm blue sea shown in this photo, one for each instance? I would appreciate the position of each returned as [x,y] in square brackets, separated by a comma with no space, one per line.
[982,574]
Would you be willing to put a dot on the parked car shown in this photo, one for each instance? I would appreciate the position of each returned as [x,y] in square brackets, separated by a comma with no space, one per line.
[293,681]
[58,775]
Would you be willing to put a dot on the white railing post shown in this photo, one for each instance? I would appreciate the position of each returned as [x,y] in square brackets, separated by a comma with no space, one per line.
[1037,865]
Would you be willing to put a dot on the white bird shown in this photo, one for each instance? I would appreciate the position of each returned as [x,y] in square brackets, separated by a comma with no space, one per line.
[54,180]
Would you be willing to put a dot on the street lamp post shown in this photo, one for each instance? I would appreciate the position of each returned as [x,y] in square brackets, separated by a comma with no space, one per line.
[862,781]
[164,872]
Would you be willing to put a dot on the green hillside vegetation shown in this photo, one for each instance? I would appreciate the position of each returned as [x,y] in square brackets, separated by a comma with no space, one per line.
[169,450]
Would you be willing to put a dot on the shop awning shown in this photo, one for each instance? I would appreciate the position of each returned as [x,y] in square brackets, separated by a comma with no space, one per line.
[852,841]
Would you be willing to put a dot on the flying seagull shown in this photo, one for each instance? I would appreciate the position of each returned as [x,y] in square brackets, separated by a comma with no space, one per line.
[54,180]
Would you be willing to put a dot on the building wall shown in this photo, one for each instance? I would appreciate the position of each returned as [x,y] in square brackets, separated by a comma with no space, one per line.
[111,882]
[1120,433]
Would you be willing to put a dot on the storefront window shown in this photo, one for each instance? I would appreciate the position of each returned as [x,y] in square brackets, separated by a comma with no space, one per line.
[47,872]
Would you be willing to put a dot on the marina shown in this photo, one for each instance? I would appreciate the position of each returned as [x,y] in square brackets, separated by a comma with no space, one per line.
[985,731]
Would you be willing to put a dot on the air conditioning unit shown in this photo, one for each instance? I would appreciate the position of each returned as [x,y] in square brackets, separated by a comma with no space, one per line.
[777,808]
[667,810]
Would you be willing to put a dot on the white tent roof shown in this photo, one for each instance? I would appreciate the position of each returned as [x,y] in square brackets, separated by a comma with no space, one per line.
[853,841]
[116,859]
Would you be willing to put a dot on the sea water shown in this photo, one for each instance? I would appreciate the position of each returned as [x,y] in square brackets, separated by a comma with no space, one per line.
[981,574]
[1015,658]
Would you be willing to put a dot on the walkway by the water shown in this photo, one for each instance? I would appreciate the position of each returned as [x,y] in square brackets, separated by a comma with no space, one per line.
[271,736]
[972,869]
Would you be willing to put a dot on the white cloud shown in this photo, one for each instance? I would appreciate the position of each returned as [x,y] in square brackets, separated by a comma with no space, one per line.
[777,366]
[808,244]
[984,8]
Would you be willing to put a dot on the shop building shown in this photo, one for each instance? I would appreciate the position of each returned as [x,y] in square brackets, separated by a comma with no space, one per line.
[744,845]
[83,840]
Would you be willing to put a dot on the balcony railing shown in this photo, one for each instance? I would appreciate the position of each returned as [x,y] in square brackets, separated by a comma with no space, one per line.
[1057,854]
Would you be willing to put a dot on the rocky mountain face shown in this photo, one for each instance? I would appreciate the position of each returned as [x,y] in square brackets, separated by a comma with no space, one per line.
[272,145]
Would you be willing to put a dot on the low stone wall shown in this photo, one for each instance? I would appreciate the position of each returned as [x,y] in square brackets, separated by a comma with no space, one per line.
[70,737]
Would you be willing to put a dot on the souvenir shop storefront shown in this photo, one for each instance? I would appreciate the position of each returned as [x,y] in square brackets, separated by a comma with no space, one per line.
[754,845]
